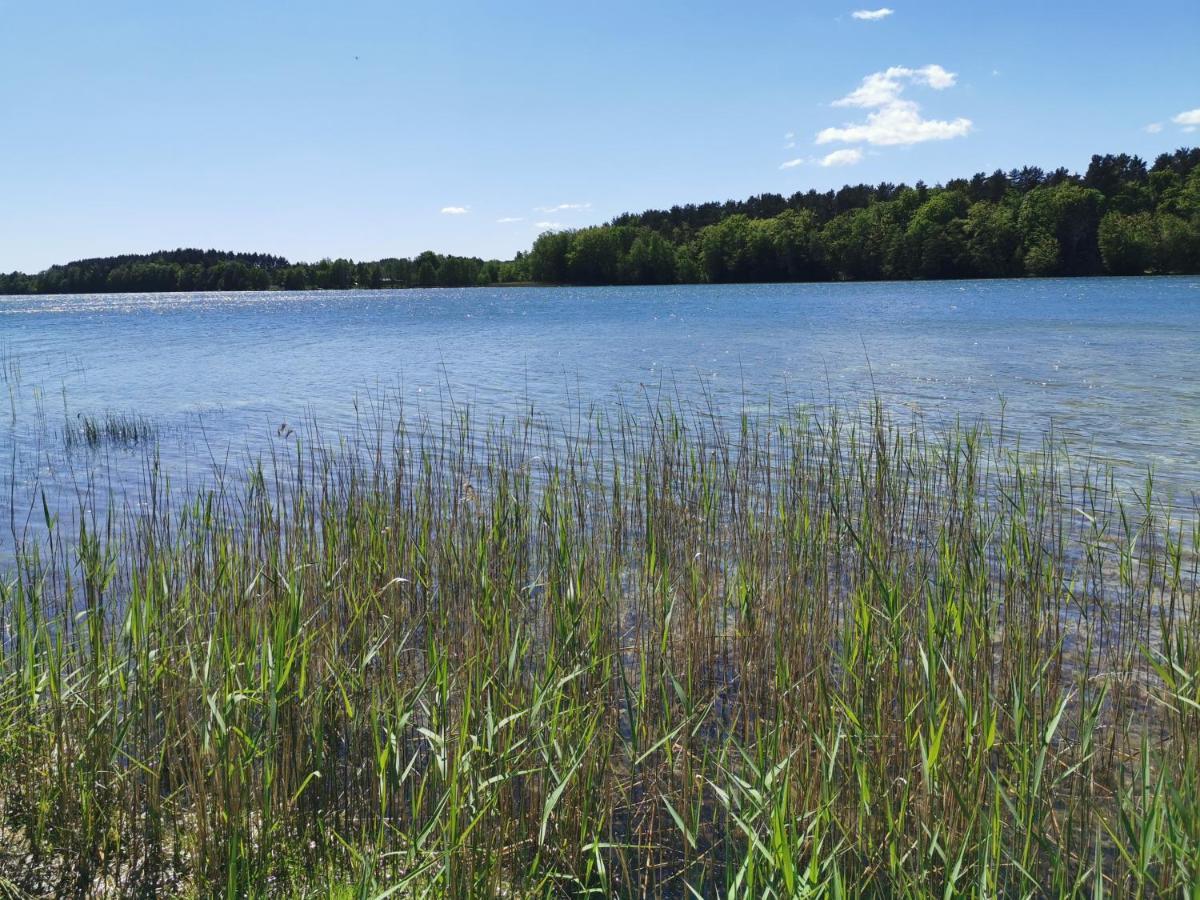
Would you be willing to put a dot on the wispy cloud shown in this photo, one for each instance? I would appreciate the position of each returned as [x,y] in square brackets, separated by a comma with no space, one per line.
[455,210]
[881,88]
[1189,119]
[847,157]
[547,226]
[871,15]
[562,207]
[504,220]
[1154,128]
[895,121]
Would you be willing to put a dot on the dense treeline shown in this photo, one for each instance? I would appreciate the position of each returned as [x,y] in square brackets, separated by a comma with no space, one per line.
[1120,217]
[213,270]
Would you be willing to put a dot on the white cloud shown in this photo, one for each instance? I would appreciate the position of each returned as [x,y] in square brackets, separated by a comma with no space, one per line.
[894,120]
[562,207]
[792,163]
[547,226]
[899,124]
[507,219]
[881,88]
[847,157]
[1191,117]
[872,15]
[1154,128]
[455,210]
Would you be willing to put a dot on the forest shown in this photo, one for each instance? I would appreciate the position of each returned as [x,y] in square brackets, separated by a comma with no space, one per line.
[215,270]
[1122,216]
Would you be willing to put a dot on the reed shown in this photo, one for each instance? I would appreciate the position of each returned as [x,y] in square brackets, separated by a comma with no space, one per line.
[10,374]
[111,428]
[657,654]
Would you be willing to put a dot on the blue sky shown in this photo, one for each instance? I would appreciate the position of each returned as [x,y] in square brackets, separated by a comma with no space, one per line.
[369,129]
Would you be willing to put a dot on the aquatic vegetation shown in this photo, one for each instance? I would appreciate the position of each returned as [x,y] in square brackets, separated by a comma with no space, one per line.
[120,429]
[661,654]
[10,374]
[10,365]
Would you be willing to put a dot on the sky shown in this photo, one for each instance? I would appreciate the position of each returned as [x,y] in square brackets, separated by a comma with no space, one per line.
[373,129]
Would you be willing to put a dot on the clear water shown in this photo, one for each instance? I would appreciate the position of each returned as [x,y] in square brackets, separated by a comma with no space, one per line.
[1113,365]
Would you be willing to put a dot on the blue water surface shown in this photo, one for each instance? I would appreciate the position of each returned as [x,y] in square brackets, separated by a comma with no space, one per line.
[1112,365]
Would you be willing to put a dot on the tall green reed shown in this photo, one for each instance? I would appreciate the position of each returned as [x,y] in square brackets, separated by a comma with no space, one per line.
[660,653]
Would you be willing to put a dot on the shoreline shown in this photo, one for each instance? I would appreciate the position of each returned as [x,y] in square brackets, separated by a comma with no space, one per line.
[693,284]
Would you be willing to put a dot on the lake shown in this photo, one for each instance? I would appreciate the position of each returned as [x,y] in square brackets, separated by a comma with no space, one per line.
[1109,364]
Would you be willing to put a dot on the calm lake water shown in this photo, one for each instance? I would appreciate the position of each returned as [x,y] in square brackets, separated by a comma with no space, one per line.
[1112,364]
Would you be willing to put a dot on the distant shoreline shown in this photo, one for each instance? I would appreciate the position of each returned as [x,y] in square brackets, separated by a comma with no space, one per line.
[1120,217]
[547,285]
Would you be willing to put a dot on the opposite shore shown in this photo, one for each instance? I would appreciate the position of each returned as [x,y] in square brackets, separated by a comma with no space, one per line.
[1122,216]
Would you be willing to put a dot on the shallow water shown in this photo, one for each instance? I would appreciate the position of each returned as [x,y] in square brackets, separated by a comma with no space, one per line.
[1109,364]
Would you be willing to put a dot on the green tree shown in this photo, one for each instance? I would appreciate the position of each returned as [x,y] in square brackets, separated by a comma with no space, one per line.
[1178,249]
[1070,215]
[456,271]
[864,243]
[739,249]
[796,243]
[935,244]
[594,256]
[1127,243]
[427,269]
[548,257]
[295,278]
[341,274]
[688,269]
[651,260]
[723,248]
[1042,256]
[993,239]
